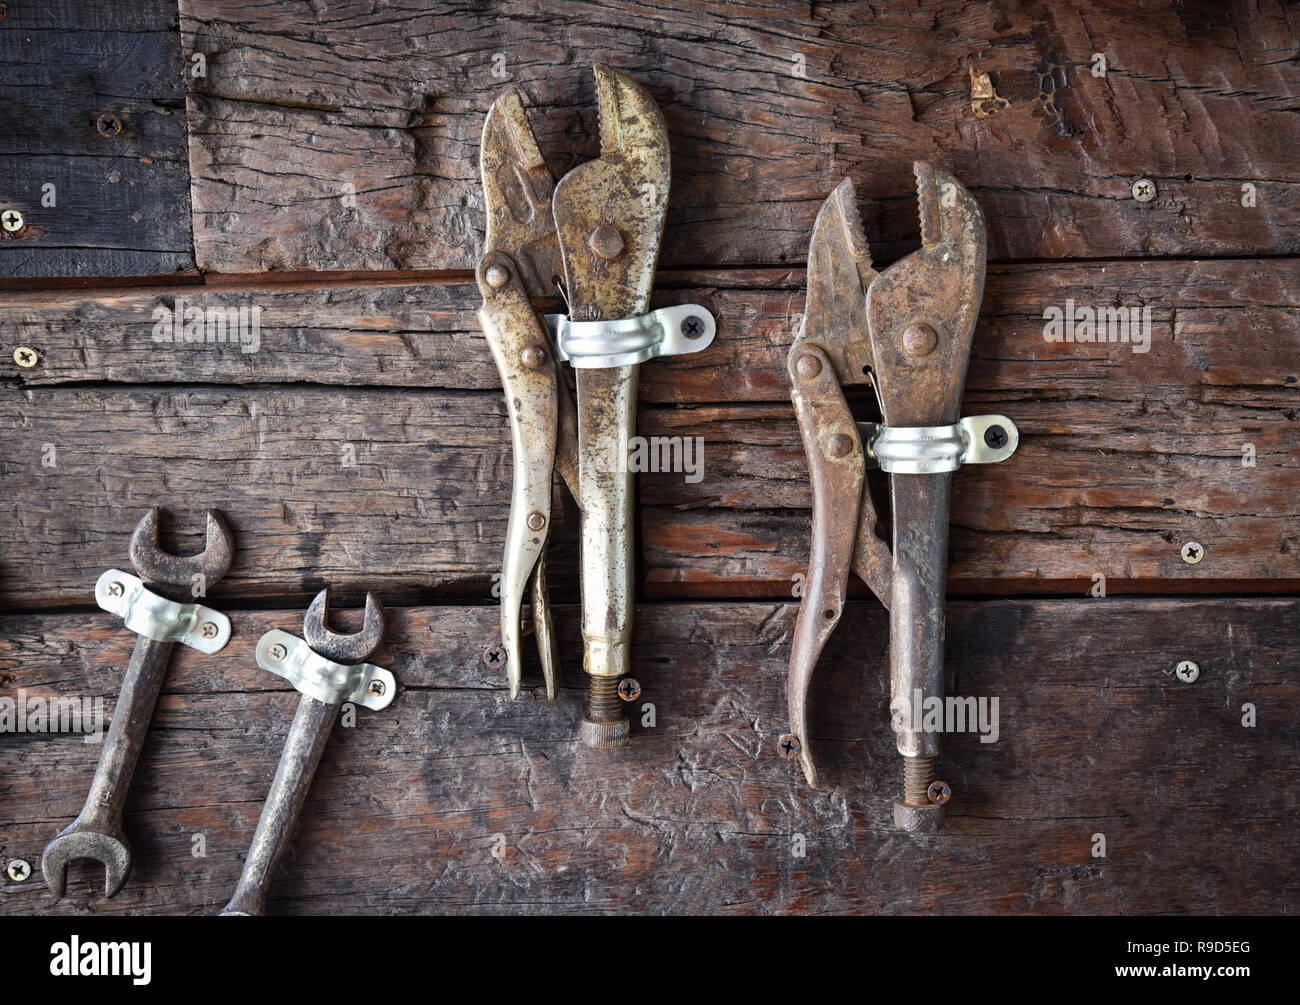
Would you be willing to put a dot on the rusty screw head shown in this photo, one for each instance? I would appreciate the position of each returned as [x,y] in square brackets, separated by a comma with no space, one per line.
[12,221]
[108,124]
[494,657]
[839,445]
[808,366]
[606,242]
[25,356]
[496,276]
[629,689]
[19,870]
[692,326]
[1144,190]
[278,652]
[536,521]
[938,792]
[919,339]
[208,630]
[1192,552]
[1187,672]
[788,746]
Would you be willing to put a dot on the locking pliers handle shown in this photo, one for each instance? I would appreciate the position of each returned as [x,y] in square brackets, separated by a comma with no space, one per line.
[522,350]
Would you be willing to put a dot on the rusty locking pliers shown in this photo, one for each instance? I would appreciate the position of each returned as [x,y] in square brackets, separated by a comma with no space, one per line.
[907,332]
[594,236]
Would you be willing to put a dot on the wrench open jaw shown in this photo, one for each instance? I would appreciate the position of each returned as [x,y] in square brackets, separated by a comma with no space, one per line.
[167,572]
[97,833]
[595,237]
[906,332]
[336,646]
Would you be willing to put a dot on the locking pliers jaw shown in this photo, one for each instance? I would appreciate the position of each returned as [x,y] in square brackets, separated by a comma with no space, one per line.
[906,332]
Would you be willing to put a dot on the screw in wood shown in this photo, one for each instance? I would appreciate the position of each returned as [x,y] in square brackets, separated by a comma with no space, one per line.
[108,124]
[1187,672]
[1144,190]
[12,221]
[19,870]
[938,792]
[1192,552]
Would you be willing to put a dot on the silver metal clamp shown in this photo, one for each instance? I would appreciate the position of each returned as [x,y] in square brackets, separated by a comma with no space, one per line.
[596,345]
[924,450]
[155,617]
[312,674]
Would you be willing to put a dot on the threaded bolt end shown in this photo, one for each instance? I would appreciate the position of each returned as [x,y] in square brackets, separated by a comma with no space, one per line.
[605,724]
[918,773]
[603,702]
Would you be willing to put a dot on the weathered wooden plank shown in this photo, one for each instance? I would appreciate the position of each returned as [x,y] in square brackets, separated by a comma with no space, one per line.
[1124,455]
[1220,331]
[350,487]
[768,108]
[121,194]
[700,814]
[413,487]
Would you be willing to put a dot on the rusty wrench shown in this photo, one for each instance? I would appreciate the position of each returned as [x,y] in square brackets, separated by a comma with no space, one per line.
[327,669]
[97,833]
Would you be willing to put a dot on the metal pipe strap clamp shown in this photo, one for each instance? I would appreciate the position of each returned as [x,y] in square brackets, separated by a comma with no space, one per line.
[312,674]
[146,613]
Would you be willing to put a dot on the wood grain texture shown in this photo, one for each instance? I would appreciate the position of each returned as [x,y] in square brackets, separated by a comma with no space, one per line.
[319,486]
[1124,456]
[301,100]
[700,814]
[122,202]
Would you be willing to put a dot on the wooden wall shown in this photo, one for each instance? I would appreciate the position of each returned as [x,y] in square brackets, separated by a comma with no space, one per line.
[364,446]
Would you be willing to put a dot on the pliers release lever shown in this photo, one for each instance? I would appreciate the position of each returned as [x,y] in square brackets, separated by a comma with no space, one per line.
[906,332]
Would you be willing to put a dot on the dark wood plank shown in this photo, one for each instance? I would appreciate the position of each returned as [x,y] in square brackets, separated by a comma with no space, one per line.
[700,813]
[1221,331]
[122,201]
[391,99]
[318,486]
[1125,456]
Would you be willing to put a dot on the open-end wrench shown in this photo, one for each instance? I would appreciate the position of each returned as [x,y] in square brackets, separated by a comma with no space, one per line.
[338,673]
[97,833]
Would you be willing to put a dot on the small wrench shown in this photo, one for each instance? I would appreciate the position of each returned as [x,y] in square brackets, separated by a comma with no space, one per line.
[97,833]
[308,735]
